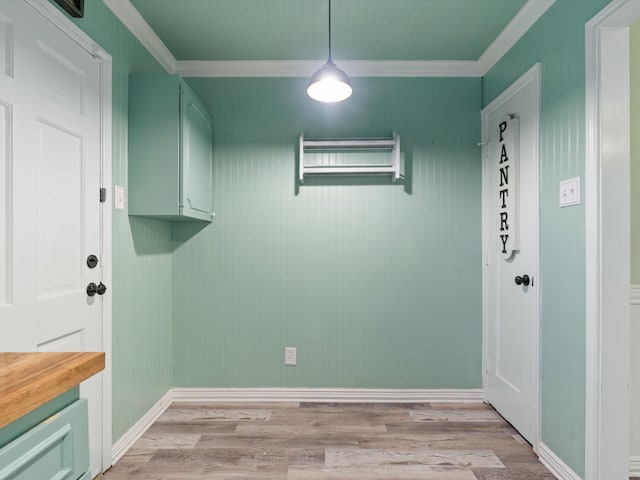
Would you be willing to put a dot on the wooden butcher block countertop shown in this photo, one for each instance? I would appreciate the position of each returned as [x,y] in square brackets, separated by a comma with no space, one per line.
[29,380]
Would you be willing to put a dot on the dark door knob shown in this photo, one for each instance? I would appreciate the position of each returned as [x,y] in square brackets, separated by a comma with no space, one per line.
[92,261]
[523,280]
[101,288]
[92,289]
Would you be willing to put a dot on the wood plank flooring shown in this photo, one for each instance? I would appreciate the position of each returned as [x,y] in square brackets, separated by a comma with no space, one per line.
[314,441]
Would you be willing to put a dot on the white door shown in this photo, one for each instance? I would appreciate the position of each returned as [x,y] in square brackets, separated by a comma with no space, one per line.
[50,210]
[511,285]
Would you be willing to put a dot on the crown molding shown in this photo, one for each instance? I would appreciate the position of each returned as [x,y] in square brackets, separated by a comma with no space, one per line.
[529,14]
[525,18]
[304,68]
[131,18]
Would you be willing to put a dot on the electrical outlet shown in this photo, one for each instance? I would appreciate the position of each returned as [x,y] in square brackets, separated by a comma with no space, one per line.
[289,355]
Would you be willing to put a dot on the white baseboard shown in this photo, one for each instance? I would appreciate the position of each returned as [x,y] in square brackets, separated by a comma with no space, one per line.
[555,465]
[335,395]
[634,461]
[635,294]
[126,441]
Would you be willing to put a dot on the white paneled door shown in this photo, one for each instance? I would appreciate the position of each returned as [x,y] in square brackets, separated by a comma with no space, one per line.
[50,210]
[511,284]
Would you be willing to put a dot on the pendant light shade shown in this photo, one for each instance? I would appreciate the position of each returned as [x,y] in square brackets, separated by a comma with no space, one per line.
[329,84]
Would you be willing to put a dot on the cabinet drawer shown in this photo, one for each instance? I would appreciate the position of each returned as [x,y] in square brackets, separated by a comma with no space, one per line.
[57,448]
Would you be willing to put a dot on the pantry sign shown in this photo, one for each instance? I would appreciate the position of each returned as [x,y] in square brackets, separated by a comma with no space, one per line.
[506,161]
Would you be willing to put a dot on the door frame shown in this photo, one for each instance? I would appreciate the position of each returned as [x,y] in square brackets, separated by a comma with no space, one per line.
[607,240]
[531,76]
[62,22]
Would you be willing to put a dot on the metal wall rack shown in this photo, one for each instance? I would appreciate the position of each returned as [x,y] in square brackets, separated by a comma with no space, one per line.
[345,145]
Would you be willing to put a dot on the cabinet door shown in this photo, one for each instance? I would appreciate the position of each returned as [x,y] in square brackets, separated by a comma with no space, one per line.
[58,448]
[196,157]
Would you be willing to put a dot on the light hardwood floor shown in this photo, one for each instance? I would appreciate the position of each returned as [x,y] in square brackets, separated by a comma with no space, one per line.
[312,441]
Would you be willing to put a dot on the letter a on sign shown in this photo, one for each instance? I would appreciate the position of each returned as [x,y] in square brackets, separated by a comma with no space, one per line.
[505,157]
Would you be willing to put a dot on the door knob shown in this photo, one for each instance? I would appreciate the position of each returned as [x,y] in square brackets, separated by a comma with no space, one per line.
[92,289]
[101,288]
[92,261]
[523,280]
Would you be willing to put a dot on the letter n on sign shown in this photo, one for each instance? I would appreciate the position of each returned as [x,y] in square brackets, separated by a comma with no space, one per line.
[506,160]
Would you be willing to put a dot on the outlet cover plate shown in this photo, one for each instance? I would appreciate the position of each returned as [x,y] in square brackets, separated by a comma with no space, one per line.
[290,356]
[570,192]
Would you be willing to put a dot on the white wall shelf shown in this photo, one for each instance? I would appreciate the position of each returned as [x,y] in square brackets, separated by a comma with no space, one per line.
[329,166]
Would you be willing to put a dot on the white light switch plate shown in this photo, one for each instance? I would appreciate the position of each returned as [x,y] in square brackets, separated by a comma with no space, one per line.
[570,192]
[118,197]
[289,355]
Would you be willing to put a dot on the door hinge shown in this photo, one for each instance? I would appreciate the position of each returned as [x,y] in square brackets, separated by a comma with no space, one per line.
[103,195]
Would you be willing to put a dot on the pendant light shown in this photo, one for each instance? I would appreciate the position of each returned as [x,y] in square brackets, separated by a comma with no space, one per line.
[329,83]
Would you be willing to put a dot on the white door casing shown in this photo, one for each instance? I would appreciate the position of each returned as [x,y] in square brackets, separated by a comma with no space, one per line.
[510,185]
[52,98]
[607,243]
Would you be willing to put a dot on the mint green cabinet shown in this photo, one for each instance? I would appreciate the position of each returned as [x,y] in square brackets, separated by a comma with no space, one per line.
[170,150]
[55,448]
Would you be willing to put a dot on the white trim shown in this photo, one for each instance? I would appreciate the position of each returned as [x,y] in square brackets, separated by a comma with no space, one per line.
[524,19]
[334,395]
[555,465]
[634,467]
[606,240]
[126,441]
[304,68]
[635,295]
[533,75]
[592,254]
[106,260]
[107,257]
[131,18]
[528,15]
[63,23]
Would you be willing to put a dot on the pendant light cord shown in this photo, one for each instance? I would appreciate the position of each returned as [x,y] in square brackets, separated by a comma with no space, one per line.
[330,60]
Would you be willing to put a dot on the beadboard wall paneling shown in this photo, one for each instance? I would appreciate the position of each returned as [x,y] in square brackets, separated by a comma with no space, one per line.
[378,285]
[557,41]
[142,344]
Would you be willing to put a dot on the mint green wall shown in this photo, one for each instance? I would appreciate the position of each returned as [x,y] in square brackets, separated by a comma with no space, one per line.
[316,267]
[557,41]
[376,284]
[142,344]
[635,153]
